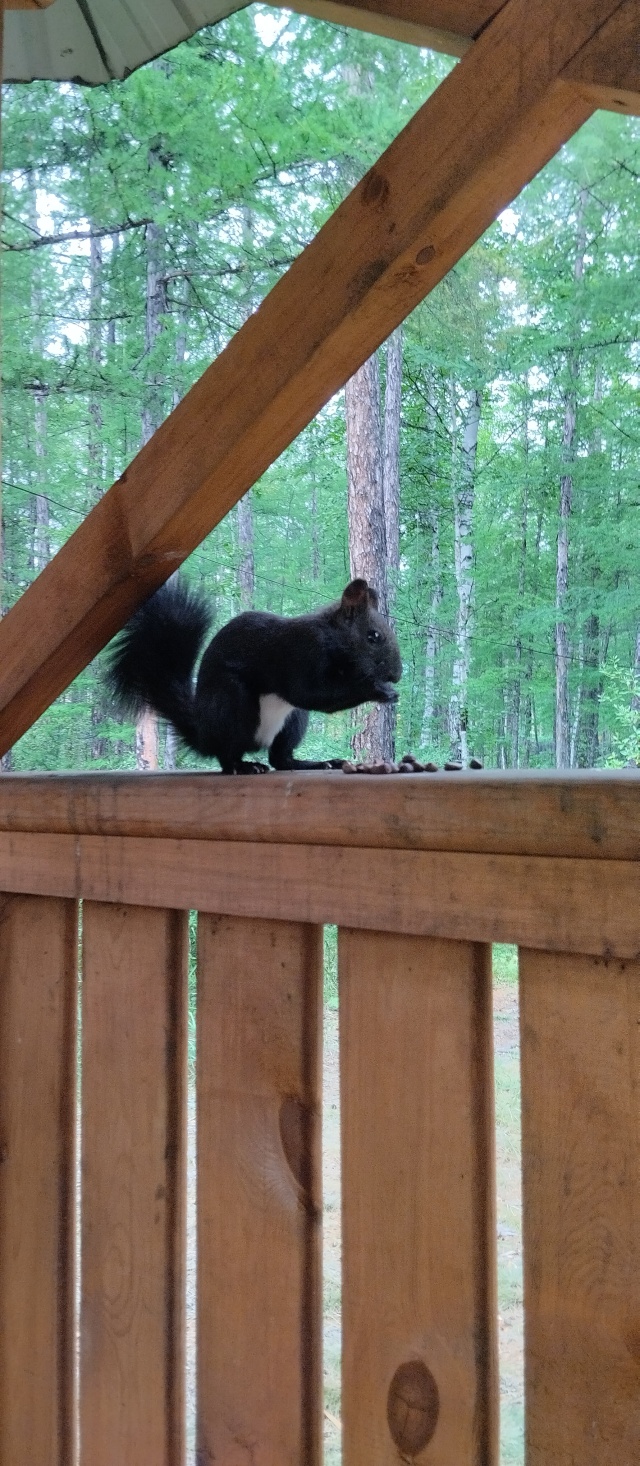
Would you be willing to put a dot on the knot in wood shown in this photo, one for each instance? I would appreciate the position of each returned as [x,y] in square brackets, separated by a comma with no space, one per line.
[413,1407]
[375,189]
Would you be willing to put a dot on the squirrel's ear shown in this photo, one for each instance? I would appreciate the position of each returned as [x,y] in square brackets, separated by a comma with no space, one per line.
[357,596]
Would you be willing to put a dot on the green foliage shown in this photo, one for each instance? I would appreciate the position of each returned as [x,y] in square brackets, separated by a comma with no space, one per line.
[621,706]
[505,965]
[237,146]
[330,961]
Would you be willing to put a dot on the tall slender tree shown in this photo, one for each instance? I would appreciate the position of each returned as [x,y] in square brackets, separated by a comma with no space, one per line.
[562,728]
[463,504]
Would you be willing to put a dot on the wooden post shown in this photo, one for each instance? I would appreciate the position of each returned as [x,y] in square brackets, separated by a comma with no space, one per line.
[580,1024]
[419,1302]
[258,1123]
[38,996]
[134,1057]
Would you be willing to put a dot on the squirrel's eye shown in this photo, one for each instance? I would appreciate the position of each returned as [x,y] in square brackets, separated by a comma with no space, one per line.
[374,636]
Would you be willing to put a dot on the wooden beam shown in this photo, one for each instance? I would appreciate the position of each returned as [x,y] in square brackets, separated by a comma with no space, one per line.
[558,905]
[495,120]
[583,813]
[419,1304]
[446,21]
[607,69]
[391,22]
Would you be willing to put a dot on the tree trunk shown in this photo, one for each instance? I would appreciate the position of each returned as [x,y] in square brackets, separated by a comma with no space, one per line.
[588,738]
[95,452]
[170,748]
[562,583]
[147,741]
[433,522]
[391,460]
[246,572]
[152,415]
[40,547]
[95,362]
[463,499]
[170,758]
[367,531]
[391,501]
[156,309]
[529,715]
[522,572]
[315,537]
[562,648]
[431,648]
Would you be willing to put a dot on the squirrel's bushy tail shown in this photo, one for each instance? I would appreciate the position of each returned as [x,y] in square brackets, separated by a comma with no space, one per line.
[152,661]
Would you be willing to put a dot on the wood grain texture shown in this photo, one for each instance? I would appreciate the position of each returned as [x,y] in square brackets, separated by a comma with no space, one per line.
[557,904]
[385,20]
[608,66]
[259,1028]
[419,1307]
[582,813]
[133,1186]
[486,130]
[38,993]
[456,17]
[580,1021]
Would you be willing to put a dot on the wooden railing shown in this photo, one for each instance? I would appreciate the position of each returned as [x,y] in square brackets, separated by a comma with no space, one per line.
[421,874]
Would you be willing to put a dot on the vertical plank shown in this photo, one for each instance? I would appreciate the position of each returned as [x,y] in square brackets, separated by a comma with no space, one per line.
[38,992]
[419,1278]
[580,1022]
[259,1304]
[133,1186]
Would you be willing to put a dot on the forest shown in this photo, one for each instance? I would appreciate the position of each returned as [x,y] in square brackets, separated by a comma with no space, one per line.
[482,469]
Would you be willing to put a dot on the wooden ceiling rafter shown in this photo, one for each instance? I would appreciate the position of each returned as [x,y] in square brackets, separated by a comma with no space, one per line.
[396,24]
[523,88]
[610,74]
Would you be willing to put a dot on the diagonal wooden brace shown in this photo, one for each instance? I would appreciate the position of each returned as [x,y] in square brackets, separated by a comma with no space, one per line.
[491,125]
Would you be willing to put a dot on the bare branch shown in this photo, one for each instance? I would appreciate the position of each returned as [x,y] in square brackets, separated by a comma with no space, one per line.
[42,240]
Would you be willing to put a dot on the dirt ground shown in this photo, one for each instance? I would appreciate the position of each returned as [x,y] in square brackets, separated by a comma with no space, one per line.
[509,1237]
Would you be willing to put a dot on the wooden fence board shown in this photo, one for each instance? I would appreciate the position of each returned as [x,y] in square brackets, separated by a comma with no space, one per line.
[133,1186]
[419,1305]
[580,1021]
[562,905]
[258,1123]
[588,814]
[38,993]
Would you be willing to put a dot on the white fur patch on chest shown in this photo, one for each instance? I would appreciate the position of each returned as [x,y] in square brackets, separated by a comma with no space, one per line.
[273,712]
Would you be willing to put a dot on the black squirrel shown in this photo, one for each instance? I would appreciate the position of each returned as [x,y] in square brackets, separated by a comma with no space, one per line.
[260,675]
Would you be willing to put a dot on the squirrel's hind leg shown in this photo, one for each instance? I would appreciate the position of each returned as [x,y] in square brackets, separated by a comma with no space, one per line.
[281,753]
